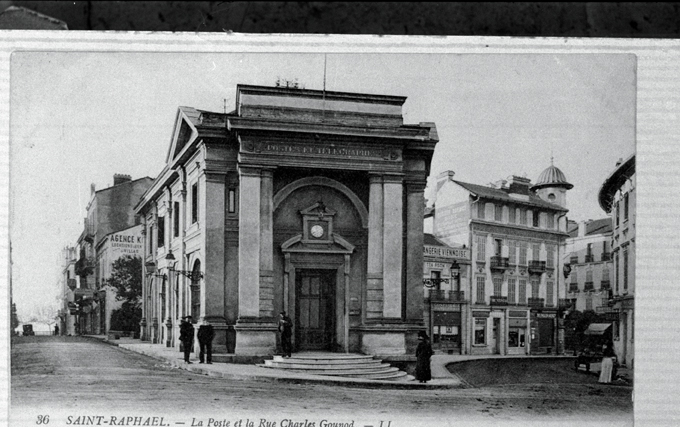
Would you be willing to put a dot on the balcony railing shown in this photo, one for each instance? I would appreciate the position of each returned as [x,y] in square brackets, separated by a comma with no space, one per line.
[536,266]
[573,260]
[606,256]
[565,303]
[573,287]
[588,286]
[446,296]
[605,284]
[498,300]
[499,263]
[590,258]
[536,302]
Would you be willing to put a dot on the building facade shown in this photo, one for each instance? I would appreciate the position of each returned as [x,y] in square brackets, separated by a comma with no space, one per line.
[109,211]
[516,234]
[446,283]
[588,256]
[69,282]
[304,201]
[617,197]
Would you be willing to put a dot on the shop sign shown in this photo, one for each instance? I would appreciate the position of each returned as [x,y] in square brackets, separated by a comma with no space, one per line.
[627,303]
[517,323]
[480,314]
[446,307]
[545,315]
[440,251]
[513,313]
[443,318]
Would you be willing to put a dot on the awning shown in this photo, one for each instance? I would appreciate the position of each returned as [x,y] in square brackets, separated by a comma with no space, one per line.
[597,328]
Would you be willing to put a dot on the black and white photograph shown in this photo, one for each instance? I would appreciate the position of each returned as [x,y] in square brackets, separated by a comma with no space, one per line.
[322,239]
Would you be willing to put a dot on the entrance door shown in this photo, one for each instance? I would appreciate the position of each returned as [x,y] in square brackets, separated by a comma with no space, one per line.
[315,314]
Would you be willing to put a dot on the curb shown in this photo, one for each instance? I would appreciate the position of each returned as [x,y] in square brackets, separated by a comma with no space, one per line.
[345,382]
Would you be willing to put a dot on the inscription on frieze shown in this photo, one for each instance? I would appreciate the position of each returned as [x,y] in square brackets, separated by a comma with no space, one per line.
[318,150]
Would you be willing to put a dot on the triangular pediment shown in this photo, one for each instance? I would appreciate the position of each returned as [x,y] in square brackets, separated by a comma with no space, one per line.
[184,132]
[336,245]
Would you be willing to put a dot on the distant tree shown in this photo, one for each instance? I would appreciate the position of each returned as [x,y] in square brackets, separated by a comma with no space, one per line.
[14,317]
[575,325]
[126,278]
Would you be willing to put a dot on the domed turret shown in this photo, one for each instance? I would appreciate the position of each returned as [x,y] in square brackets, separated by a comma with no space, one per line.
[552,186]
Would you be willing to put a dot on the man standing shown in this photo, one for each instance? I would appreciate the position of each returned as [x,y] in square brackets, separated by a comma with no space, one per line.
[186,336]
[206,333]
[286,330]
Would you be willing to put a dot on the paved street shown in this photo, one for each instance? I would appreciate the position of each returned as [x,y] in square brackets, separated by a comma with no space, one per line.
[79,381]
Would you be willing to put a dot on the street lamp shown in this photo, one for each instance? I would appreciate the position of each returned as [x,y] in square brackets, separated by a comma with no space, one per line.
[455,269]
[190,274]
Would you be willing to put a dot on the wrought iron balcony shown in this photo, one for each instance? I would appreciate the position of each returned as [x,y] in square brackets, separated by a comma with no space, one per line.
[605,284]
[536,266]
[499,263]
[566,303]
[498,300]
[606,256]
[434,283]
[588,286]
[446,296]
[536,302]
[573,260]
[590,258]
[573,287]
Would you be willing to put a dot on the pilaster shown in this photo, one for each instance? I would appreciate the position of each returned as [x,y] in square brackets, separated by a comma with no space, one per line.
[393,202]
[374,276]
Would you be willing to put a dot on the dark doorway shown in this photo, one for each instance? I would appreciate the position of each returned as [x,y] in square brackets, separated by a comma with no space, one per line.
[315,314]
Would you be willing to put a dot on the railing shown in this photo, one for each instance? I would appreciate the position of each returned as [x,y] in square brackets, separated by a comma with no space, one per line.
[590,258]
[442,295]
[536,302]
[565,303]
[536,266]
[605,284]
[588,286]
[498,300]
[573,287]
[573,260]
[606,256]
[499,263]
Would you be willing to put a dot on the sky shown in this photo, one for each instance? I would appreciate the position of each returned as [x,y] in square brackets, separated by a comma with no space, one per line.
[79,118]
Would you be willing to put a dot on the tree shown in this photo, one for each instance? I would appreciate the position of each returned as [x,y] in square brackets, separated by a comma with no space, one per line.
[14,317]
[126,279]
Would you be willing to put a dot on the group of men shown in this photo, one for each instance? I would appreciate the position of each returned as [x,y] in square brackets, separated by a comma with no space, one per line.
[206,333]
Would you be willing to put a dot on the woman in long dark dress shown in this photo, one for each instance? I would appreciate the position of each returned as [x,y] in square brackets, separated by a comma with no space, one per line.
[423,354]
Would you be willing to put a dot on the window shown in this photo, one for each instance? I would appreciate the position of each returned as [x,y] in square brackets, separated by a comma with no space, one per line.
[523,217]
[522,292]
[194,203]
[480,209]
[511,290]
[161,232]
[481,248]
[436,279]
[498,247]
[232,200]
[625,207]
[481,284]
[512,252]
[550,256]
[549,296]
[497,286]
[511,215]
[522,253]
[150,238]
[625,269]
[589,275]
[480,330]
[534,288]
[175,219]
[535,219]
[605,277]
[550,219]
[589,303]
[616,213]
[574,276]
[498,213]
[535,251]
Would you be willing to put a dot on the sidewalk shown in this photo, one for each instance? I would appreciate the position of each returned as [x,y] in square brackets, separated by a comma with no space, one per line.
[441,377]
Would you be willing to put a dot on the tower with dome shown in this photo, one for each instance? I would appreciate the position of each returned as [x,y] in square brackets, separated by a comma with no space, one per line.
[552,186]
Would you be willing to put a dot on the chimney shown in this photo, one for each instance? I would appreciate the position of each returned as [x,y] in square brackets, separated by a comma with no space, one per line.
[519,185]
[120,179]
[582,228]
[92,189]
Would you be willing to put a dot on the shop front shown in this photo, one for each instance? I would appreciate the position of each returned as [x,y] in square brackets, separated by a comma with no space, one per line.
[543,331]
[517,332]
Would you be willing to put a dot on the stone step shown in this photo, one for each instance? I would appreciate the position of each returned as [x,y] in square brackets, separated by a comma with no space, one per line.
[325,360]
[346,372]
[316,367]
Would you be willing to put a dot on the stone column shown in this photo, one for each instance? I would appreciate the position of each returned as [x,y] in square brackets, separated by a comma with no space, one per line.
[266,244]
[249,243]
[414,250]
[392,246]
[374,277]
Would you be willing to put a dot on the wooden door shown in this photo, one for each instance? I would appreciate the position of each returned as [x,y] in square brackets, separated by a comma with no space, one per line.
[315,312]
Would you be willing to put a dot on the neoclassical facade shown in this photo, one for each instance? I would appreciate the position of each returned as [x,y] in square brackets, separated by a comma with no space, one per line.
[299,200]
[617,197]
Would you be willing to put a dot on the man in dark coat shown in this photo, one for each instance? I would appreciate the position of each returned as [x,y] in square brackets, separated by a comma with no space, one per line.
[186,336]
[286,330]
[423,354]
[206,333]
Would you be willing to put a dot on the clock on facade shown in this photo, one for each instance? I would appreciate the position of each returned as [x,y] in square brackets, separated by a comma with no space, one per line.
[317,231]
